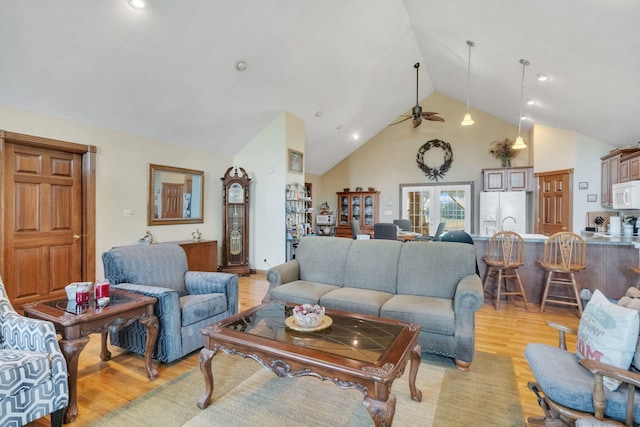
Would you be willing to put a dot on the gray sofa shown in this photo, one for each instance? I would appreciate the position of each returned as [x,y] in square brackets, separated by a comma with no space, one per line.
[433,284]
[187,300]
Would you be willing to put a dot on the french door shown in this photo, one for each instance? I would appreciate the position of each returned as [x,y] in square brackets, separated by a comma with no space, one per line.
[426,205]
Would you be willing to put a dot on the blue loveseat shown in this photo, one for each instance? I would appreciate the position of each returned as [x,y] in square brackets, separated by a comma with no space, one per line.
[187,300]
[432,284]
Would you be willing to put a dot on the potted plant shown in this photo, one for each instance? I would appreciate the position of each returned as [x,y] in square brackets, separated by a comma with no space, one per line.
[504,151]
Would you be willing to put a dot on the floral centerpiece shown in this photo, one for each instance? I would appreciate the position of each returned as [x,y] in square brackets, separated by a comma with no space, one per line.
[504,151]
[308,316]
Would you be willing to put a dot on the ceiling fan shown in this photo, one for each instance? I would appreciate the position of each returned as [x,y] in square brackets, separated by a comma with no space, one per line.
[417,115]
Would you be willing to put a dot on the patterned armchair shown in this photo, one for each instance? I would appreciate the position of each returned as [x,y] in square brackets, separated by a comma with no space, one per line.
[187,300]
[33,372]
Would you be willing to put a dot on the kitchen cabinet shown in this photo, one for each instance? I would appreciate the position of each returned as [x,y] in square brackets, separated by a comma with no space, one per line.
[360,206]
[508,179]
[609,175]
[630,167]
[202,255]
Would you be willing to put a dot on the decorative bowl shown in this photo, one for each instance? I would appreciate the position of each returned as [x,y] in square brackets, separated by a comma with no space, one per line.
[372,188]
[346,189]
[308,316]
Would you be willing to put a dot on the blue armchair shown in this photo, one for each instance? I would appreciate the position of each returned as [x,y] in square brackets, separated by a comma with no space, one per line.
[187,300]
[33,372]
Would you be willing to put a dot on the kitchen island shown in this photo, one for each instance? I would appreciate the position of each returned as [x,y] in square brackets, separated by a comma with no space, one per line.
[608,264]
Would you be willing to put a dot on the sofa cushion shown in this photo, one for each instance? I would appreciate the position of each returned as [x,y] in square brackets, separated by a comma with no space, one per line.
[427,268]
[566,382]
[22,370]
[301,292]
[323,259]
[373,264]
[432,314]
[354,300]
[195,308]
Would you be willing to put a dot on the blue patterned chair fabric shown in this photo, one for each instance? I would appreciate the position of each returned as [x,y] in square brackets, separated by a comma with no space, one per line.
[33,372]
[187,300]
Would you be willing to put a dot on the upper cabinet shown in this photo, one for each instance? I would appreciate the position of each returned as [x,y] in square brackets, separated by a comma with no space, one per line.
[620,165]
[508,179]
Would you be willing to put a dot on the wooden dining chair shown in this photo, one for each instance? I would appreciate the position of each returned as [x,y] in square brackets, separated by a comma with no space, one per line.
[564,254]
[505,253]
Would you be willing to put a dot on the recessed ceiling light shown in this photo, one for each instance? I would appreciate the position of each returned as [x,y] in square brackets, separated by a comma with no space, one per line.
[531,102]
[136,4]
[241,65]
[355,137]
[542,77]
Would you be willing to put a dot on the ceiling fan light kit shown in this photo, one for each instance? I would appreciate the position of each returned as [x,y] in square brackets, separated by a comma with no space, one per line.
[467,120]
[519,142]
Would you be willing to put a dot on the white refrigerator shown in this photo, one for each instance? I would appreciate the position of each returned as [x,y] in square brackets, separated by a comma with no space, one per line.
[503,210]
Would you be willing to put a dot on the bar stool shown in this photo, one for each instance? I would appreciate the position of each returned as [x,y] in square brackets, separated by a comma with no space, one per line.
[564,254]
[505,253]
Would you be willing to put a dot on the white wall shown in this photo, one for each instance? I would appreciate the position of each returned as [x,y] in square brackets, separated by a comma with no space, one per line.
[122,168]
[557,149]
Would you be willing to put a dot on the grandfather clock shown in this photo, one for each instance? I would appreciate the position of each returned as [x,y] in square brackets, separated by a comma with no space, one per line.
[235,222]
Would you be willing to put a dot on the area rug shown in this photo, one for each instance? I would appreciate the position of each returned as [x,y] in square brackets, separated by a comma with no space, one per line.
[247,395]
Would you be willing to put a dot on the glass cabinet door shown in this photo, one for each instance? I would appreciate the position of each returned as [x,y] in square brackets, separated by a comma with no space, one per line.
[344,210]
[356,209]
[368,210]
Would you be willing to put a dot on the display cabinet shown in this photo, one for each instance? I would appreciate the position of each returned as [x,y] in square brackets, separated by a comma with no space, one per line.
[235,222]
[297,205]
[359,206]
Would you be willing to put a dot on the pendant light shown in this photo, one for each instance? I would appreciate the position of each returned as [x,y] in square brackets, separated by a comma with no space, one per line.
[467,117]
[519,143]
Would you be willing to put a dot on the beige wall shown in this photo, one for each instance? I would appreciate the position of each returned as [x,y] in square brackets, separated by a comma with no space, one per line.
[389,158]
[122,174]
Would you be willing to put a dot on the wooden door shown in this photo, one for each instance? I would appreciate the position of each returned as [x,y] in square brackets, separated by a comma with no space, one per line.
[554,202]
[172,200]
[42,221]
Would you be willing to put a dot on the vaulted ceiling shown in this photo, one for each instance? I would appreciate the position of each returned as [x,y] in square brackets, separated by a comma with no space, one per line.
[168,72]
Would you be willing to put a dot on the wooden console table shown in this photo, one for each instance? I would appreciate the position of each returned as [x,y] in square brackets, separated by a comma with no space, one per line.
[202,255]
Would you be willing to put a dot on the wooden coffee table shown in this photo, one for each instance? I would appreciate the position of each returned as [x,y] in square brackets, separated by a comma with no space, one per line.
[356,352]
[75,323]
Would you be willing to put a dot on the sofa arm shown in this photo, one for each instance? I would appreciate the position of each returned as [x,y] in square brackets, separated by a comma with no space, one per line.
[469,295]
[168,301]
[281,274]
[201,282]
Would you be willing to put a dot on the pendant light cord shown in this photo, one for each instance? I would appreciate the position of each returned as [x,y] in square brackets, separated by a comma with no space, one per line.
[470,44]
[524,63]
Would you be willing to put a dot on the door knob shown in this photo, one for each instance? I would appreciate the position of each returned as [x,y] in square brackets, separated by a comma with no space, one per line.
[76,237]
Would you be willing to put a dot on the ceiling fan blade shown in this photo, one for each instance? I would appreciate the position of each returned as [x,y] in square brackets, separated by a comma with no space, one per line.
[417,121]
[431,116]
[400,121]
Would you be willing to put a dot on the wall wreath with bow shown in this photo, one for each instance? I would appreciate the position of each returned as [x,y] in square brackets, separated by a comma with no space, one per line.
[433,173]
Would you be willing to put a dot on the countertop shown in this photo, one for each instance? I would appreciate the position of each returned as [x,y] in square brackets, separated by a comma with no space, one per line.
[595,239]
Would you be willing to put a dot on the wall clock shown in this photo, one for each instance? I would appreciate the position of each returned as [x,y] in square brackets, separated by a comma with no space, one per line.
[235,222]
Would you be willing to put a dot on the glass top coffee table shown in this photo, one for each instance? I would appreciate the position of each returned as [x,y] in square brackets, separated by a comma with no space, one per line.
[354,352]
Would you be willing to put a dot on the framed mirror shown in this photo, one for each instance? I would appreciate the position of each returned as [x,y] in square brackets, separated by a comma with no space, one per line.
[176,196]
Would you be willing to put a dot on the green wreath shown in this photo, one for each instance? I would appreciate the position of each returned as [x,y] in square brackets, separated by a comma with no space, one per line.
[435,173]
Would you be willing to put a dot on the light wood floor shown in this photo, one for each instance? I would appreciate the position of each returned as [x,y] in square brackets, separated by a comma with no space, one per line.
[106,386]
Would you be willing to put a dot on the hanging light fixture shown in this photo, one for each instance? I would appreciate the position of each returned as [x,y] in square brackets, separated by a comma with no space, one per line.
[519,143]
[467,117]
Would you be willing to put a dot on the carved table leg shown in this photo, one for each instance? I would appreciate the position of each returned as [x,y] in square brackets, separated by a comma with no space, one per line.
[206,356]
[105,354]
[151,325]
[381,412]
[71,351]
[415,355]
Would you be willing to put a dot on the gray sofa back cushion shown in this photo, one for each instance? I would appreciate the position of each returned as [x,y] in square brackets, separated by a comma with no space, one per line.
[323,259]
[434,268]
[162,264]
[373,264]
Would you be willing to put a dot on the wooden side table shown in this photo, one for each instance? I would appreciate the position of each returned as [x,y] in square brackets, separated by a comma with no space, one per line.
[75,323]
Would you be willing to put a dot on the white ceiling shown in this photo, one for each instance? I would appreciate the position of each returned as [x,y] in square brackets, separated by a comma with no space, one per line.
[168,72]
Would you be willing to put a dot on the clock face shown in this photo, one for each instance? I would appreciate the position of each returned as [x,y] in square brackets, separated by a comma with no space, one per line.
[236,193]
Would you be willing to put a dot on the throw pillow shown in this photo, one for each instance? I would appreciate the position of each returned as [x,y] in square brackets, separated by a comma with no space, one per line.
[607,333]
[632,300]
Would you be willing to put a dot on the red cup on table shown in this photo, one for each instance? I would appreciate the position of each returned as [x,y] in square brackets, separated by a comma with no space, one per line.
[102,292]
[82,293]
